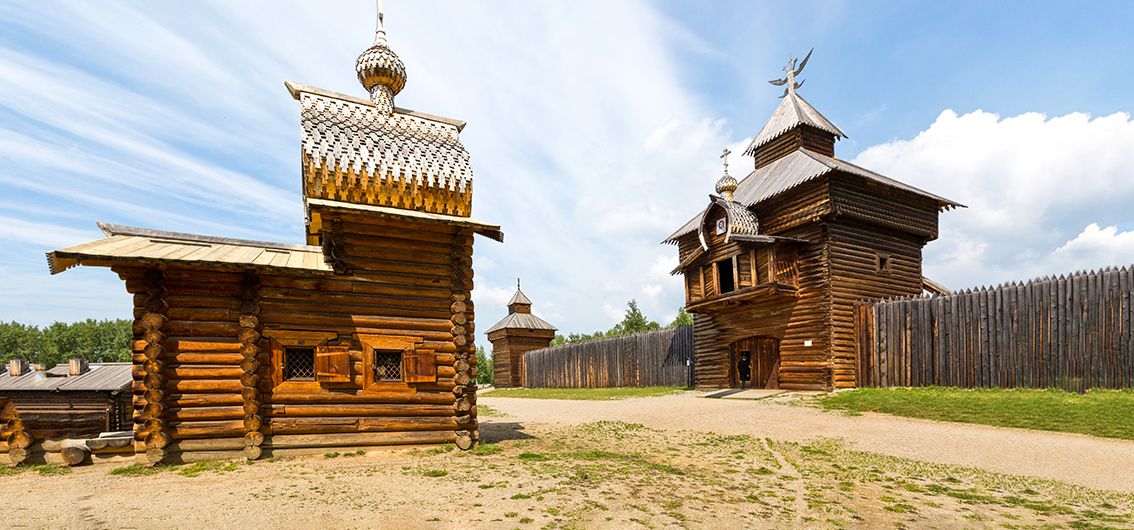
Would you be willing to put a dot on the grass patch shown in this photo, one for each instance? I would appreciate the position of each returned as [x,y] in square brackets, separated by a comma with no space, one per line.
[485,449]
[51,470]
[198,468]
[591,394]
[486,411]
[533,457]
[434,473]
[136,470]
[1104,413]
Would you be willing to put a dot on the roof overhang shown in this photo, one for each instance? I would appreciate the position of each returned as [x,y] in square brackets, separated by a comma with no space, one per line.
[297,89]
[490,231]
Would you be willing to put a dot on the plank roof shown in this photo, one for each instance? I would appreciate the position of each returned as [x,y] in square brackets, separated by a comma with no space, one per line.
[125,244]
[101,377]
[521,321]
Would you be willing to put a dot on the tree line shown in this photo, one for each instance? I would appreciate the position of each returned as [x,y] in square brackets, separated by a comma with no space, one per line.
[93,340]
[634,321]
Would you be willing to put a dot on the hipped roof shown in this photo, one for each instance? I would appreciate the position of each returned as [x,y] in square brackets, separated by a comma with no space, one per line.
[521,321]
[793,111]
[797,168]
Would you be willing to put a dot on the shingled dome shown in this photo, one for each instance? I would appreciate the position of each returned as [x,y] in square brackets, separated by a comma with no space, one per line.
[380,70]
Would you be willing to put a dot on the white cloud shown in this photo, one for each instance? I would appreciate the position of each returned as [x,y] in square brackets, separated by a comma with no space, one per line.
[1097,247]
[1030,182]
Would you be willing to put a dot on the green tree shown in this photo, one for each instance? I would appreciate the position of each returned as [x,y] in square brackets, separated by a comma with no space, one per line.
[484,374]
[93,340]
[683,318]
[19,341]
[634,321]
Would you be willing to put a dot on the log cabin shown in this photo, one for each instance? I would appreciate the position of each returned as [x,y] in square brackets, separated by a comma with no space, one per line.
[773,265]
[362,336]
[73,400]
[516,334]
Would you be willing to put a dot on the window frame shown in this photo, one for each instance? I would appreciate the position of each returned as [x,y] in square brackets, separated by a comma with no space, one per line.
[883,262]
[280,341]
[374,343]
[729,265]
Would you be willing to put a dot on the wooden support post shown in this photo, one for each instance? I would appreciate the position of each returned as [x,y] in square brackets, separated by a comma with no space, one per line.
[252,358]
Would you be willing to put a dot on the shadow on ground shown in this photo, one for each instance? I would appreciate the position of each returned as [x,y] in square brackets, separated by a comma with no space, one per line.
[494,432]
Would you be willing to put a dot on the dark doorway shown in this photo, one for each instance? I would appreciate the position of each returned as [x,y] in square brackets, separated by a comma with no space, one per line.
[763,354]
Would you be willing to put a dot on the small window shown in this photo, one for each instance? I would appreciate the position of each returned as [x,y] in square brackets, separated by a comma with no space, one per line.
[387,365]
[299,364]
[884,261]
[724,274]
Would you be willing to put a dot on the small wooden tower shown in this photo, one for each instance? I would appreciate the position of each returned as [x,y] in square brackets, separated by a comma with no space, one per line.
[775,262]
[518,333]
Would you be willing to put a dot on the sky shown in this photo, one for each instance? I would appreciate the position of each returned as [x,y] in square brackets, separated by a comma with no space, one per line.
[594,127]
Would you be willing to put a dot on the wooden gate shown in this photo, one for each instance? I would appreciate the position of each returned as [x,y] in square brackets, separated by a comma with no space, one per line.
[764,361]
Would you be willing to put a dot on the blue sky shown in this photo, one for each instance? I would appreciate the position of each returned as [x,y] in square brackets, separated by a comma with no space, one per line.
[594,128]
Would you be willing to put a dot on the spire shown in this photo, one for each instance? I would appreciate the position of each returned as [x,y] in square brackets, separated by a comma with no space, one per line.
[380,29]
[379,69]
[796,116]
[519,302]
[727,184]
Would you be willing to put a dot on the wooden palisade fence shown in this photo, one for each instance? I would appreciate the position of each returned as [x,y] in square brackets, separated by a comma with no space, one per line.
[654,358]
[1072,332]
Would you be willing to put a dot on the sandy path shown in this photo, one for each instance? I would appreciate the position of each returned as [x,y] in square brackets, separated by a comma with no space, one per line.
[1076,459]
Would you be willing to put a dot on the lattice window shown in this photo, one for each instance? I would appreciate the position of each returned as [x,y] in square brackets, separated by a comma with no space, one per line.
[387,366]
[299,364]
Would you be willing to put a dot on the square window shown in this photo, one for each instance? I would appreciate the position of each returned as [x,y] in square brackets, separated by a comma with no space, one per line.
[883,262]
[387,365]
[299,364]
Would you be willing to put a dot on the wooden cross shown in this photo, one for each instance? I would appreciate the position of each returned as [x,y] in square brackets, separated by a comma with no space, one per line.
[724,156]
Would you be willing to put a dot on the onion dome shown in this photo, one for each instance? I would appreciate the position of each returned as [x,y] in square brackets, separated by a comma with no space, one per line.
[380,70]
[726,184]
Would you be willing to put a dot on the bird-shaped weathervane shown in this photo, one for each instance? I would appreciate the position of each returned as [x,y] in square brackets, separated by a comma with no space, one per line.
[792,71]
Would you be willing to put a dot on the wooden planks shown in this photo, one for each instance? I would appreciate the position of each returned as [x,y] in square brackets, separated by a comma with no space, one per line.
[654,358]
[1072,332]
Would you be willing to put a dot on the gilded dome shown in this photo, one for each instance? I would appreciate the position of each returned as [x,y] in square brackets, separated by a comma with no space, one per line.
[726,185]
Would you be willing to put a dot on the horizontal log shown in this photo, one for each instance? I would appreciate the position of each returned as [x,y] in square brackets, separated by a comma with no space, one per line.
[386,410]
[208,444]
[329,425]
[360,398]
[358,439]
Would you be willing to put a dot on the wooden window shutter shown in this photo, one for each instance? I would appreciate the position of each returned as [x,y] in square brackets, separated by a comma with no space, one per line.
[419,366]
[332,364]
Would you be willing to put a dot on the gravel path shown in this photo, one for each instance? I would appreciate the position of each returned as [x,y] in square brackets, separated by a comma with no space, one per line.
[1072,458]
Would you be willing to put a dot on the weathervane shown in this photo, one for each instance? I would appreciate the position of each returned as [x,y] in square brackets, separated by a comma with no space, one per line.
[792,72]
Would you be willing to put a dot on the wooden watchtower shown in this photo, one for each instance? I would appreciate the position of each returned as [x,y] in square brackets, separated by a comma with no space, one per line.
[362,336]
[775,262]
[516,334]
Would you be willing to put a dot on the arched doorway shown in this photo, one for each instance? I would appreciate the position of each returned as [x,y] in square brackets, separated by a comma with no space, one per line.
[763,354]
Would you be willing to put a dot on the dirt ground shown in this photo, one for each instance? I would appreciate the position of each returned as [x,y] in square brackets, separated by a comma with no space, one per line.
[1073,458]
[650,463]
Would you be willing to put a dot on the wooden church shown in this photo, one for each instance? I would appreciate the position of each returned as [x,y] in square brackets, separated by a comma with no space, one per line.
[516,334]
[775,262]
[362,336]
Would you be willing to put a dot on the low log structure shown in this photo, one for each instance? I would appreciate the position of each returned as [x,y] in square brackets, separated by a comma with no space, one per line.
[73,400]
[362,337]
[775,263]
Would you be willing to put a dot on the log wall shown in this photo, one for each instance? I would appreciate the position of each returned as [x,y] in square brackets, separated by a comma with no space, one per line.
[1073,332]
[654,358]
[207,383]
[508,349]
